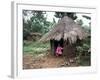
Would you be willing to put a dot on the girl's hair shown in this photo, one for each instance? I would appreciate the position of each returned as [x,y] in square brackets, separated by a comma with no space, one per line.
[58,44]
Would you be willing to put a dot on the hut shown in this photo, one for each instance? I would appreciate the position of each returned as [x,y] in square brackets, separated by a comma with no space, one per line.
[66,32]
[35,36]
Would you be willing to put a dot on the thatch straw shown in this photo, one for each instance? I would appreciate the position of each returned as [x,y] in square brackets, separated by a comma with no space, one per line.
[66,29]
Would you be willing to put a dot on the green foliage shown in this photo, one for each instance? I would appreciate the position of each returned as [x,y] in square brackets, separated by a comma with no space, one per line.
[83,54]
[40,23]
[26,28]
[37,23]
[35,48]
[84,46]
[62,14]
[80,22]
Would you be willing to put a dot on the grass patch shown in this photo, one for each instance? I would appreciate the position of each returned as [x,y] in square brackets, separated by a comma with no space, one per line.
[35,48]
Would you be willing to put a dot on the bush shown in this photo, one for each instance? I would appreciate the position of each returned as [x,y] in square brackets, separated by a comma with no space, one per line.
[83,54]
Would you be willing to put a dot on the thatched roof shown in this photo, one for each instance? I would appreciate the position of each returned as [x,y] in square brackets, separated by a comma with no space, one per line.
[67,29]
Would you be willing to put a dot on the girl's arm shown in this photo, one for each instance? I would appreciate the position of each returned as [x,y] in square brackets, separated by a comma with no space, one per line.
[61,48]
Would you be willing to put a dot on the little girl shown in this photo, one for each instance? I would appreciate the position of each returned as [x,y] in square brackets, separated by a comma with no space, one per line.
[59,50]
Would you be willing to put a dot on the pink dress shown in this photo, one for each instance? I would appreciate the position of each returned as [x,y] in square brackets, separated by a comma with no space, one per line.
[59,51]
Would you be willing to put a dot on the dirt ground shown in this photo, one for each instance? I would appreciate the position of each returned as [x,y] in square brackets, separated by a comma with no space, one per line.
[46,61]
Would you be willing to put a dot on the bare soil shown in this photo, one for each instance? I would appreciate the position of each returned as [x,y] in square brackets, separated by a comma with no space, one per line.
[46,61]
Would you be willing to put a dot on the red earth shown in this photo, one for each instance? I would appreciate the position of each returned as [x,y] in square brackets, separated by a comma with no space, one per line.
[47,61]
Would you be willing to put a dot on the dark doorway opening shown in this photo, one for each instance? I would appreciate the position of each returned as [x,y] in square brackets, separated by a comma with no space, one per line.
[54,45]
